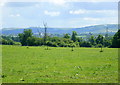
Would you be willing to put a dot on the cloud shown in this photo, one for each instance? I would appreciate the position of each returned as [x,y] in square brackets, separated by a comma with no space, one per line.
[2,4]
[57,2]
[83,11]
[91,19]
[15,15]
[53,13]
[104,19]
[77,11]
[37,5]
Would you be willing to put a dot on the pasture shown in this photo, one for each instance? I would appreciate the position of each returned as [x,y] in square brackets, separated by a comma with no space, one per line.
[59,65]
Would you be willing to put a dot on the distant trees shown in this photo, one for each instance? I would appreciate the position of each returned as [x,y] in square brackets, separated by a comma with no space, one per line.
[116,40]
[99,39]
[74,34]
[85,44]
[27,38]
[9,42]
[27,34]
[66,36]
[92,40]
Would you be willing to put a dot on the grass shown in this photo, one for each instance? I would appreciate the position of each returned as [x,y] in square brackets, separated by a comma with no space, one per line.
[59,65]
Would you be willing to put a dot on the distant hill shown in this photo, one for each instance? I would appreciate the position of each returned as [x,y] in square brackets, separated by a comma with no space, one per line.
[93,29]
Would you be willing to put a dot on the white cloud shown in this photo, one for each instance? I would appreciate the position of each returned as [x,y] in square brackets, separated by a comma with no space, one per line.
[105,20]
[77,11]
[61,1]
[15,15]
[106,11]
[2,4]
[53,13]
[91,19]
[37,5]
[57,2]
[103,12]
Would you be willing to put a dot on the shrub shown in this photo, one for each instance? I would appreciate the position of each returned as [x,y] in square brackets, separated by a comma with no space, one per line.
[85,44]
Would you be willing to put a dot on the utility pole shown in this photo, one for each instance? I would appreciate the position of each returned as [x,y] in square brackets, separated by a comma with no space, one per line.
[45,33]
[106,36]
[39,33]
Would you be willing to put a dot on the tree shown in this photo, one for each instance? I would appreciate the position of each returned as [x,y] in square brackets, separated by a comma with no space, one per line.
[31,41]
[101,46]
[85,44]
[79,39]
[116,40]
[99,39]
[92,40]
[107,43]
[74,33]
[66,36]
[24,36]
[73,45]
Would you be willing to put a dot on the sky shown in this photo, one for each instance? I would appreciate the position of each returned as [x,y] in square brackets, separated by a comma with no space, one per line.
[58,13]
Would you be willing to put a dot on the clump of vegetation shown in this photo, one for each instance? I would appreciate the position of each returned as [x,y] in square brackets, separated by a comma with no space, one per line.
[22,79]
[116,40]
[28,39]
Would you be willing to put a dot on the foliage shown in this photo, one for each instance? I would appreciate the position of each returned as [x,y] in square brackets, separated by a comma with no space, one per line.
[85,44]
[24,36]
[116,40]
[66,36]
[92,40]
[99,39]
[27,38]
[9,42]
[74,38]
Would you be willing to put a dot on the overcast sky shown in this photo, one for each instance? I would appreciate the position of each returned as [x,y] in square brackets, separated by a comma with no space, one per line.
[58,13]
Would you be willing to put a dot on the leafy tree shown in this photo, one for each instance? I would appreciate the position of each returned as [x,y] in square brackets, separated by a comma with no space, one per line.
[17,43]
[99,39]
[4,42]
[92,40]
[73,45]
[74,33]
[39,41]
[79,39]
[31,41]
[24,36]
[116,40]
[107,43]
[66,36]
[62,44]
[85,44]
[8,42]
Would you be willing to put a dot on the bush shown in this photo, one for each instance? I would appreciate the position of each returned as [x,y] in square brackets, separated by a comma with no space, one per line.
[17,43]
[85,44]
[98,45]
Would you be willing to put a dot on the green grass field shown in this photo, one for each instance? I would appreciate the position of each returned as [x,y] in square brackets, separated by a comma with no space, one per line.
[59,65]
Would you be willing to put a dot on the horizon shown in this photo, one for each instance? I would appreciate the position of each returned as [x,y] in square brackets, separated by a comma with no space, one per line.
[58,15]
[55,27]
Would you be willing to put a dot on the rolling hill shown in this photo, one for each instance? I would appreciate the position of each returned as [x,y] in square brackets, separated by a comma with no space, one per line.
[112,28]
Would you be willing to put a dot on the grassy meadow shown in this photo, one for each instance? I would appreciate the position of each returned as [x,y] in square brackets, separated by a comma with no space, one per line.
[59,65]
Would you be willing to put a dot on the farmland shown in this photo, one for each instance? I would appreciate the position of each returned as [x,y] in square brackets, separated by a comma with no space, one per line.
[21,64]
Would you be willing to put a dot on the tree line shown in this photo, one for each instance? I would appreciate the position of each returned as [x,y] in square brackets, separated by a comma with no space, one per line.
[28,39]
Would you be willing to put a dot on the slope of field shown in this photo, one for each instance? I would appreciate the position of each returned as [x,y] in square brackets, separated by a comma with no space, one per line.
[59,65]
